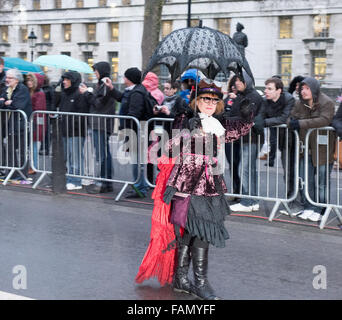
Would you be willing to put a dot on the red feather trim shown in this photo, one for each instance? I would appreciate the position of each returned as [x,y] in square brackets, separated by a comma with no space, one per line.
[160,257]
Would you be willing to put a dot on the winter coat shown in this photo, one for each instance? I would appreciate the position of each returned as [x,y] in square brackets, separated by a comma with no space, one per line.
[256,102]
[320,115]
[132,101]
[102,102]
[2,91]
[337,121]
[21,100]
[175,104]
[2,82]
[50,98]
[73,101]
[276,113]
[38,103]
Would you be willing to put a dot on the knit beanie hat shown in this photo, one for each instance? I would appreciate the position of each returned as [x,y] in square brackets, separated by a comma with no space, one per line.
[134,75]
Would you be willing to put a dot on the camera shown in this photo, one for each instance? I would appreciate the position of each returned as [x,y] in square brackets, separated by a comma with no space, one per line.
[158,108]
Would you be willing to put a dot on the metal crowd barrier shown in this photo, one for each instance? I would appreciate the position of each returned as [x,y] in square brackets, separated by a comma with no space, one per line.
[13,141]
[322,185]
[85,144]
[271,183]
[156,130]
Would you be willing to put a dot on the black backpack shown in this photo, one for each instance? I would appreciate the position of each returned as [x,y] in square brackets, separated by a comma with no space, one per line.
[150,102]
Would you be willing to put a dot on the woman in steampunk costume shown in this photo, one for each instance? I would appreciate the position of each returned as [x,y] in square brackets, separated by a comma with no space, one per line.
[189,202]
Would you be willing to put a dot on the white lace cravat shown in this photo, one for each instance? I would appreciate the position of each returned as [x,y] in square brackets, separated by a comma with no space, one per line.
[211,125]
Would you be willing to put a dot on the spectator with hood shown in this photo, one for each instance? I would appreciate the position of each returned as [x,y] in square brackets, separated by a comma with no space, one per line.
[151,83]
[294,86]
[246,94]
[34,82]
[73,128]
[102,102]
[314,109]
[189,79]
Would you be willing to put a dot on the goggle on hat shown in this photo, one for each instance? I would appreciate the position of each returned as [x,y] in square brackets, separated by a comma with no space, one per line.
[207,86]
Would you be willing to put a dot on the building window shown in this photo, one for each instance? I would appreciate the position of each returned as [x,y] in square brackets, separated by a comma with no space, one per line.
[22,55]
[4,34]
[91,32]
[321,25]
[102,3]
[36,4]
[114,31]
[67,32]
[223,25]
[23,33]
[285,27]
[285,66]
[166,28]
[43,53]
[318,64]
[66,53]
[79,3]
[88,58]
[58,4]
[2,54]
[126,2]
[113,58]
[46,31]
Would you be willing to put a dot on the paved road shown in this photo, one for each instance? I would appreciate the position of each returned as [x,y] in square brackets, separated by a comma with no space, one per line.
[76,247]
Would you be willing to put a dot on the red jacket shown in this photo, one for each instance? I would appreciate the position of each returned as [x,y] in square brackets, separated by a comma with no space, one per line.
[38,103]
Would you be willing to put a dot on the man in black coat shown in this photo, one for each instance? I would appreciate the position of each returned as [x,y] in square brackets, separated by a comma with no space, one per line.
[73,127]
[251,142]
[16,97]
[277,107]
[102,102]
[133,104]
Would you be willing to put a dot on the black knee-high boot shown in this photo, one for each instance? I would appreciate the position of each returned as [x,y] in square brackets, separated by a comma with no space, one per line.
[181,281]
[201,287]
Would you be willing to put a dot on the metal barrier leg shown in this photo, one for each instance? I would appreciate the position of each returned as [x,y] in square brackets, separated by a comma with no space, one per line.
[325,217]
[41,177]
[8,177]
[121,192]
[274,210]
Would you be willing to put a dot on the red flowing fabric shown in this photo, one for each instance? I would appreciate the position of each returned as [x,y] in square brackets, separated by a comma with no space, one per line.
[160,257]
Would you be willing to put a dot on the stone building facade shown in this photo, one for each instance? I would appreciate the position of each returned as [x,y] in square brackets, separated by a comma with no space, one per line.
[288,38]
